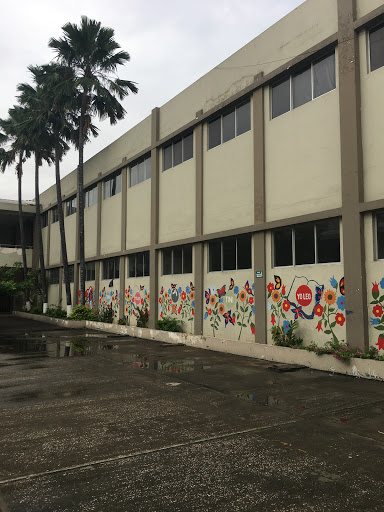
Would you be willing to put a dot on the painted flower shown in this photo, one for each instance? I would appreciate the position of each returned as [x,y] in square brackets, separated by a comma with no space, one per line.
[286,305]
[193,312]
[319,327]
[142,301]
[340,318]
[187,289]
[374,321]
[161,315]
[276,296]
[165,295]
[221,309]
[160,300]
[180,289]
[319,310]
[209,311]
[212,300]
[329,297]
[236,290]
[253,329]
[192,295]
[375,290]
[183,296]
[333,282]
[286,326]
[242,295]
[382,283]
[233,320]
[250,300]
[169,291]
[193,303]
[380,342]
[253,309]
[128,295]
[213,289]
[273,319]
[283,289]
[269,306]
[270,287]
[148,296]
[179,310]
[205,316]
[377,310]
[341,302]
[221,299]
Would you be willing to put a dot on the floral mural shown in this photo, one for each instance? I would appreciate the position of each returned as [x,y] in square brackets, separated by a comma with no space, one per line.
[178,301]
[232,305]
[136,299]
[109,299]
[377,304]
[306,299]
[89,297]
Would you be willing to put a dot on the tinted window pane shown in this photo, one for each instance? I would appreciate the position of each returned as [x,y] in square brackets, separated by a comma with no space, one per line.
[146,263]
[118,184]
[167,261]
[117,267]
[140,264]
[214,256]
[282,242]
[141,171]
[214,133]
[304,244]
[229,126]
[134,176]
[380,235]
[328,241]
[376,47]
[177,260]
[188,147]
[324,77]
[177,152]
[131,265]
[147,168]
[229,254]
[70,273]
[281,98]
[302,85]
[187,259]
[243,118]
[167,157]
[244,252]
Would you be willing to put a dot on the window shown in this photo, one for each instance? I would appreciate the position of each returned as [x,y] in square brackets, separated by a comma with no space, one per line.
[231,124]
[90,196]
[54,276]
[177,260]
[232,253]
[309,83]
[71,206]
[111,268]
[178,151]
[140,171]
[112,185]
[44,219]
[376,47]
[71,273]
[138,264]
[55,214]
[307,244]
[90,272]
[380,235]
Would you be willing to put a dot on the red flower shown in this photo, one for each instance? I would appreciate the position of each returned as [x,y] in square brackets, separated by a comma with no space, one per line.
[377,310]
[283,289]
[142,301]
[161,315]
[233,320]
[193,312]
[126,291]
[375,290]
[286,305]
[380,342]
[340,318]
[99,301]
[273,319]
[319,327]
[183,296]
[170,301]
[250,300]
[160,300]
[209,311]
[270,287]
[253,329]
[319,310]
[179,310]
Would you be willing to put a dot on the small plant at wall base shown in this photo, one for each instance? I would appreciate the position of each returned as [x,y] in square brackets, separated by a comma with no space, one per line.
[83,313]
[106,314]
[56,312]
[284,336]
[142,317]
[170,324]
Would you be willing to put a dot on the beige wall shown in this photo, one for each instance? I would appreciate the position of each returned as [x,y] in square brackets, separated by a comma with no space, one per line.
[44,236]
[111,224]
[11,255]
[177,191]
[364,7]
[302,158]
[228,179]
[136,297]
[53,295]
[70,236]
[138,215]
[55,246]
[90,230]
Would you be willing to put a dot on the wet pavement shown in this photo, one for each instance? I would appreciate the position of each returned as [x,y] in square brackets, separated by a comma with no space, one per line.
[98,422]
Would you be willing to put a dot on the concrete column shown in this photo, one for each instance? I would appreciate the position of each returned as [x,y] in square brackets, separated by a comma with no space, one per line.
[48,237]
[198,270]
[123,239]
[76,266]
[198,249]
[352,176]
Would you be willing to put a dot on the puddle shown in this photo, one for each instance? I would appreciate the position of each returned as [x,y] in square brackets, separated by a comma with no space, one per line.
[268,401]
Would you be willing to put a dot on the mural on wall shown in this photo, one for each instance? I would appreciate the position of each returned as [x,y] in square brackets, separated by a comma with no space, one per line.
[231,304]
[89,297]
[308,300]
[136,299]
[178,301]
[109,299]
[377,321]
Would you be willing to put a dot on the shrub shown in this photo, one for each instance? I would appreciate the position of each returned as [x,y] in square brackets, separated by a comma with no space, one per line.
[55,312]
[106,315]
[82,313]
[36,310]
[142,317]
[122,321]
[170,324]
[285,336]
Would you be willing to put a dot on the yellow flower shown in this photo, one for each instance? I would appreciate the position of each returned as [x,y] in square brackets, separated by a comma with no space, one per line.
[329,297]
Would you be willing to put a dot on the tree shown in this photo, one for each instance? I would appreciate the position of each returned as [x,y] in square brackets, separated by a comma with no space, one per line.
[16,148]
[91,51]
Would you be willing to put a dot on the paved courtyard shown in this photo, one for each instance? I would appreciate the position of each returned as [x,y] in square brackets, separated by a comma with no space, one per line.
[93,422]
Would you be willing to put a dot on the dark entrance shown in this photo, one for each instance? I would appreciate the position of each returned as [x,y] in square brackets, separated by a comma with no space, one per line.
[5,304]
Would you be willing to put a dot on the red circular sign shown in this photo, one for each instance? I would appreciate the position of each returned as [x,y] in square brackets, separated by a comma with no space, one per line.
[137,298]
[304,295]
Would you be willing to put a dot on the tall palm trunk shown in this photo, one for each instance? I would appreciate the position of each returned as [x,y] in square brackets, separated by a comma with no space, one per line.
[61,224]
[21,228]
[80,182]
[39,235]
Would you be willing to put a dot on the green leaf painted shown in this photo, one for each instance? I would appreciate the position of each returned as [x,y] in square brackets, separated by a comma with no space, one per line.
[327,332]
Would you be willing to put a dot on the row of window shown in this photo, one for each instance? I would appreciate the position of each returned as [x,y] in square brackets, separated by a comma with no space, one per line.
[230,124]
[178,151]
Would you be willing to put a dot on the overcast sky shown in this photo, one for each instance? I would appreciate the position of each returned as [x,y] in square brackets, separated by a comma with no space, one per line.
[171,44]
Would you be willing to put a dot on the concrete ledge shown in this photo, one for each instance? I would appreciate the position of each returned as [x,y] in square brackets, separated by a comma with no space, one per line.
[364,368]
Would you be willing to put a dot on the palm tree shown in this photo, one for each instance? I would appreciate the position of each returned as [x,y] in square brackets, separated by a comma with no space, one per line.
[91,51]
[16,149]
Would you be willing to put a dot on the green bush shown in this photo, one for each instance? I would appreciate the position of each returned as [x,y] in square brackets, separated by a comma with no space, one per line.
[285,336]
[83,313]
[36,310]
[142,317]
[55,312]
[106,315]
[122,321]
[170,324]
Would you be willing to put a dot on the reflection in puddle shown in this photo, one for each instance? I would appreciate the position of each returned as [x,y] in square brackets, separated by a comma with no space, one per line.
[268,401]
[174,366]
[37,348]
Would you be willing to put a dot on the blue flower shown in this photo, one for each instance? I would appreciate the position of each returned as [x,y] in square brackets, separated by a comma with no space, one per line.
[205,316]
[213,289]
[187,289]
[286,326]
[382,283]
[375,321]
[269,306]
[145,291]
[253,309]
[236,290]
[193,303]
[341,303]
[222,299]
[169,291]
[333,282]
[180,290]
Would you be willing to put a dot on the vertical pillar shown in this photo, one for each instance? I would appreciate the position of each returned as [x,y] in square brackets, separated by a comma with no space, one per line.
[352,175]
[75,296]
[153,255]
[123,240]
[259,213]
[35,250]
[61,286]
[49,237]
[198,250]
[97,284]
[98,243]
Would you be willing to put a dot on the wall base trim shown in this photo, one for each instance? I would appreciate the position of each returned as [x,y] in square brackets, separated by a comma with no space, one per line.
[359,368]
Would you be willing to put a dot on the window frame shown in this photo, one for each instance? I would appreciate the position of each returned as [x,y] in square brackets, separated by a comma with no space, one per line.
[88,270]
[87,191]
[116,261]
[375,237]
[172,260]
[226,112]
[222,254]
[171,144]
[54,214]
[57,272]
[135,163]
[136,255]
[108,180]
[70,206]
[44,219]
[368,45]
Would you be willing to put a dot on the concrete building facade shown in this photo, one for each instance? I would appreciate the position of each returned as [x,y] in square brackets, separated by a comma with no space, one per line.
[250,198]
